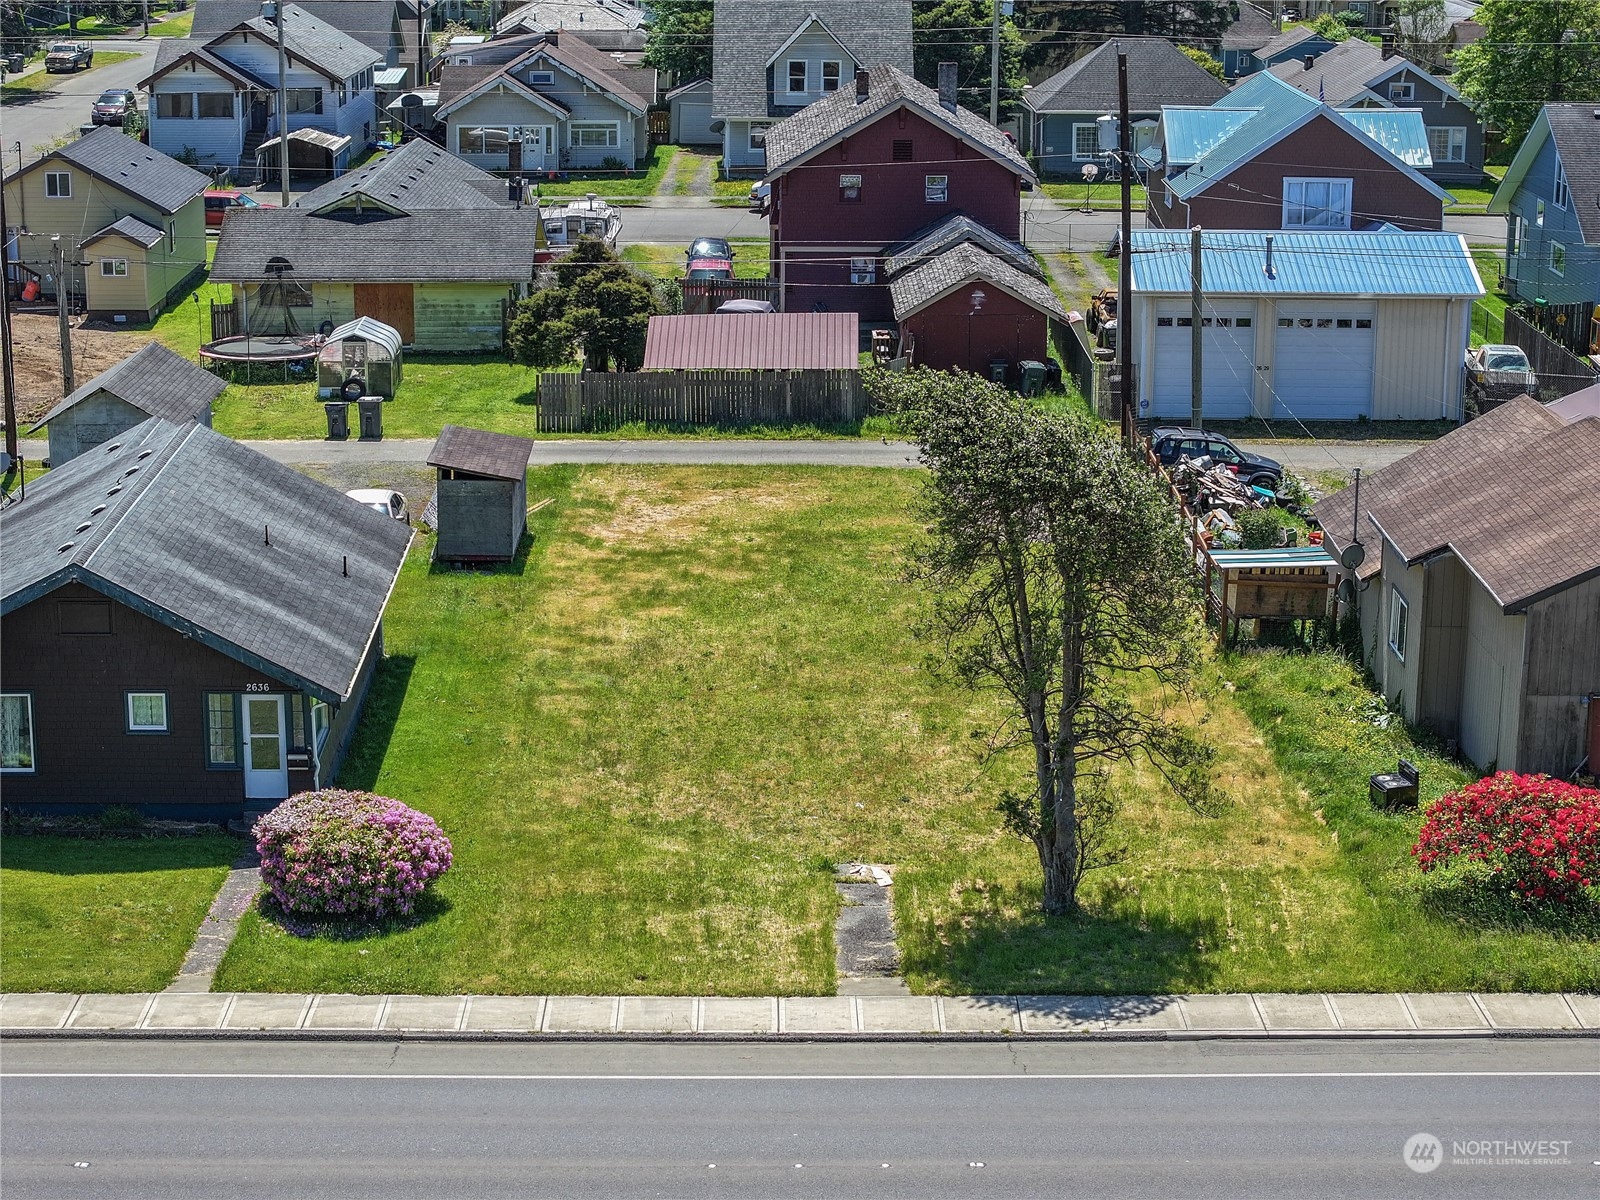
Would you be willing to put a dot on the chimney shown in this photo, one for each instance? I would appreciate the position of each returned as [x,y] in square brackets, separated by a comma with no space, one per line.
[1387,45]
[1310,61]
[947,86]
[863,81]
[1272,272]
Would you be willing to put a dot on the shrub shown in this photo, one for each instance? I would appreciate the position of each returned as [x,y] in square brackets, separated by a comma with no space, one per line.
[1536,835]
[334,852]
[1261,528]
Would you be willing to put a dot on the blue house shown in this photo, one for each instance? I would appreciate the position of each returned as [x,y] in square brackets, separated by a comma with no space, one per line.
[1301,42]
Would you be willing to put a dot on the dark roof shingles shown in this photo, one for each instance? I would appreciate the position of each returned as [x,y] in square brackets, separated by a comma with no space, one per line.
[959,264]
[479,452]
[154,380]
[111,155]
[1158,73]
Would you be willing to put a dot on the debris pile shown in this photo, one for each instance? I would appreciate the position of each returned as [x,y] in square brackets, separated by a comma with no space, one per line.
[1206,487]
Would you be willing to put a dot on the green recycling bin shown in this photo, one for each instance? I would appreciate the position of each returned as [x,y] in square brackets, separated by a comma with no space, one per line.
[1032,381]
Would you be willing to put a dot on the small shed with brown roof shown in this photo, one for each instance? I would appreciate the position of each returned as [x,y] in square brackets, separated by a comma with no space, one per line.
[753,342]
[480,509]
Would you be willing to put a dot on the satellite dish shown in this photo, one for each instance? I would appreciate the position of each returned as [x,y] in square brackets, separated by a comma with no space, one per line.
[1352,556]
[1347,591]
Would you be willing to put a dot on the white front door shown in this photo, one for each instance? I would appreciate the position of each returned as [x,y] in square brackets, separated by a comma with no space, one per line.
[266,756]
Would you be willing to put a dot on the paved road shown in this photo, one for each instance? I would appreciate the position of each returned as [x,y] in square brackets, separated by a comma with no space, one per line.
[1290,1119]
[66,106]
[1333,455]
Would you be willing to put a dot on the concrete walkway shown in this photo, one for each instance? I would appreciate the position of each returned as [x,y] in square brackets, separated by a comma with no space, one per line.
[800,1018]
[217,931]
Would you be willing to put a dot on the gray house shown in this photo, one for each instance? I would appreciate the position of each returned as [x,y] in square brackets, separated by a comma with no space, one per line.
[1479,602]
[1067,112]
[151,382]
[1252,29]
[770,60]
[480,510]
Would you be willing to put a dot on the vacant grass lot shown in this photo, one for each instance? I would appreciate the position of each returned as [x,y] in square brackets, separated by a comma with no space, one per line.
[700,689]
[112,915]
[632,183]
[1101,195]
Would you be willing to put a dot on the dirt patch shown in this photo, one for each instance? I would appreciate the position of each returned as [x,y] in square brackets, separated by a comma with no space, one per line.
[676,518]
[95,348]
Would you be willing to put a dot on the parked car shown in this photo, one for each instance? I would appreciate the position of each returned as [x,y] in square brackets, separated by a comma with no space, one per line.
[390,504]
[68,56]
[1499,372]
[113,106]
[1171,443]
[220,201]
[760,195]
[710,268]
[709,247]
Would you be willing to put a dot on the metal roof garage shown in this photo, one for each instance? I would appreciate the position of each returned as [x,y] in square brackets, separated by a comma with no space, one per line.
[1304,325]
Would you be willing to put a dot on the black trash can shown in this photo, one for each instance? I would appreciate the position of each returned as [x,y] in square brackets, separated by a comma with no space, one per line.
[338,420]
[371,418]
[997,370]
[1031,382]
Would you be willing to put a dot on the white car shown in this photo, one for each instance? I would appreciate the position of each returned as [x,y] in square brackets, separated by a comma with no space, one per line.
[390,504]
[760,194]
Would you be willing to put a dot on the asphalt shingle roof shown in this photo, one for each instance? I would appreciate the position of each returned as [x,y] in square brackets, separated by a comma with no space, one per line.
[888,89]
[1341,74]
[582,15]
[1253,29]
[952,231]
[246,555]
[154,380]
[1287,40]
[966,263]
[369,22]
[172,51]
[145,234]
[415,177]
[1577,135]
[748,34]
[318,43]
[113,157]
[635,87]
[1158,73]
[479,452]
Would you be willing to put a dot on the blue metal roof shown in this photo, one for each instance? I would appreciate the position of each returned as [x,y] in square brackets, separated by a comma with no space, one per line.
[1400,131]
[1192,133]
[1306,264]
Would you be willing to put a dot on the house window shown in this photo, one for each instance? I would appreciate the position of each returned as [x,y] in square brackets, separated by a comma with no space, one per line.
[1558,258]
[758,136]
[1448,143]
[304,100]
[901,150]
[222,729]
[482,140]
[1316,203]
[321,719]
[1402,93]
[1560,195]
[593,134]
[113,267]
[936,189]
[797,75]
[16,732]
[830,76]
[1085,142]
[546,77]
[1538,212]
[147,712]
[849,189]
[215,105]
[1514,235]
[58,185]
[864,270]
[1397,624]
[175,106]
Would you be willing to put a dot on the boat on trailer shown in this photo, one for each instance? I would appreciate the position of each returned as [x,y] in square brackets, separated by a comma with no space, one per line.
[567,221]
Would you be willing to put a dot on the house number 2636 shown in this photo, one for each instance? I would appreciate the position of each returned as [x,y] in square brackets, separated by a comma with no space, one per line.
[258,687]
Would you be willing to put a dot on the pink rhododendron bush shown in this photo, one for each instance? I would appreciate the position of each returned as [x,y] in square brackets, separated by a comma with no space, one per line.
[1534,834]
[336,853]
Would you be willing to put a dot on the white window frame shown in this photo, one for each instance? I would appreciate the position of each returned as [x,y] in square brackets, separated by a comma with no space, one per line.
[1517,232]
[230,97]
[1455,143]
[1291,182]
[610,130]
[1398,623]
[1558,251]
[1402,92]
[183,100]
[936,189]
[481,130]
[788,76]
[1561,194]
[1094,131]
[752,130]
[536,78]
[838,75]
[1538,213]
[321,723]
[54,182]
[213,763]
[33,758]
[137,726]
[863,269]
[114,268]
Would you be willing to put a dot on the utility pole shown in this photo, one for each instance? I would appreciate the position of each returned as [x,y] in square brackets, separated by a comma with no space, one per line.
[146,18]
[1196,342]
[63,286]
[1125,276]
[8,369]
[422,44]
[283,107]
[994,65]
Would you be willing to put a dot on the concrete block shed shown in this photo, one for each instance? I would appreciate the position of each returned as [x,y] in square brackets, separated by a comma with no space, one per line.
[481,507]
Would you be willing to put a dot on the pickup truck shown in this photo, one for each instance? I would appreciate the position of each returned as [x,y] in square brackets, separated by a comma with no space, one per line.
[1497,373]
[68,56]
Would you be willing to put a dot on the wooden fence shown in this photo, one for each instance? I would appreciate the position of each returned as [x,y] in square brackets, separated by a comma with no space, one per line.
[224,320]
[574,403]
[1560,371]
[704,295]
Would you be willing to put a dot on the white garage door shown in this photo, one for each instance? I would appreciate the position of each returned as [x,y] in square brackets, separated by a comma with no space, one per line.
[1322,363]
[1228,351]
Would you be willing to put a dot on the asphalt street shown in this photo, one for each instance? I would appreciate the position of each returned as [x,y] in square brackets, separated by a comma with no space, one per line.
[65,106]
[1204,1119]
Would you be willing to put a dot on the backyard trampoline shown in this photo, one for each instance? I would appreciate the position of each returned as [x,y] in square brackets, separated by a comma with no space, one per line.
[262,348]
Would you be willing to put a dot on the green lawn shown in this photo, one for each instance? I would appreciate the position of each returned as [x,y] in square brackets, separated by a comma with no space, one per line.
[667,262]
[1489,314]
[1101,195]
[40,83]
[114,915]
[632,183]
[177,25]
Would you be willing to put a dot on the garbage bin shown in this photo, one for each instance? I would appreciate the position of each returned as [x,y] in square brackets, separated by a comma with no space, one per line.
[338,420]
[1032,380]
[15,62]
[997,370]
[371,418]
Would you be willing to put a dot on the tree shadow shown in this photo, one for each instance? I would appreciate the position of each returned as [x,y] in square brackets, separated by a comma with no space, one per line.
[380,714]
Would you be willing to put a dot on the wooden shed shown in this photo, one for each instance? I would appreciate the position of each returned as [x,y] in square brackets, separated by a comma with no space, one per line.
[481,505]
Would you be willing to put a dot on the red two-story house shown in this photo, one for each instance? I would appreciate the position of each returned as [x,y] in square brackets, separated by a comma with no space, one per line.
[869,168]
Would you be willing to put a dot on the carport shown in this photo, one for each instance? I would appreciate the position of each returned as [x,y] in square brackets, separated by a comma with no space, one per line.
[315,156]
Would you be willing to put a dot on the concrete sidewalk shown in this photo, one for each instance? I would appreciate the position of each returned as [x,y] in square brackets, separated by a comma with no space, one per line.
[1259,1014]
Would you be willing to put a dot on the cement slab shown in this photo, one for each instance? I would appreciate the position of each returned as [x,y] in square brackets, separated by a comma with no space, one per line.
[898,1014]
[424,1014]
[257,1010]
[504,1014]
[1220,1012]
[738,1014]
[188,1010]
[581,1014]
[1375,1010]
[345,1012]
[816,1014]
[110,1012]
[1143,1012]
[1445,1010]
[979,1014]
[1522,1010]
[1280,1010]
[1061,1014]
[1586,1008]
[656,1014]
[35,1010]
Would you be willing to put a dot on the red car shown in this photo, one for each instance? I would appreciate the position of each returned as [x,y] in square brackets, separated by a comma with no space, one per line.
[219,202]
[710,268]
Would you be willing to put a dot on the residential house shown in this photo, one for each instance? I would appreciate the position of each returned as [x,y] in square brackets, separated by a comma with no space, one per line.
[1479,599]
[1296,43]
[190,627]
[389,28]
[1268,156]
[129,221]
[151,382]
[1252,29]
[856,173]
[1301,326]
[1071,117]
[772,59]
[1357,74]
[544,102]
[351,249]
[1550,197]
[213,100]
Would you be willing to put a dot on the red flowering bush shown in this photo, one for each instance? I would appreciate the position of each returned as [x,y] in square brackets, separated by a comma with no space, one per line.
[1537,835]
[335,852]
